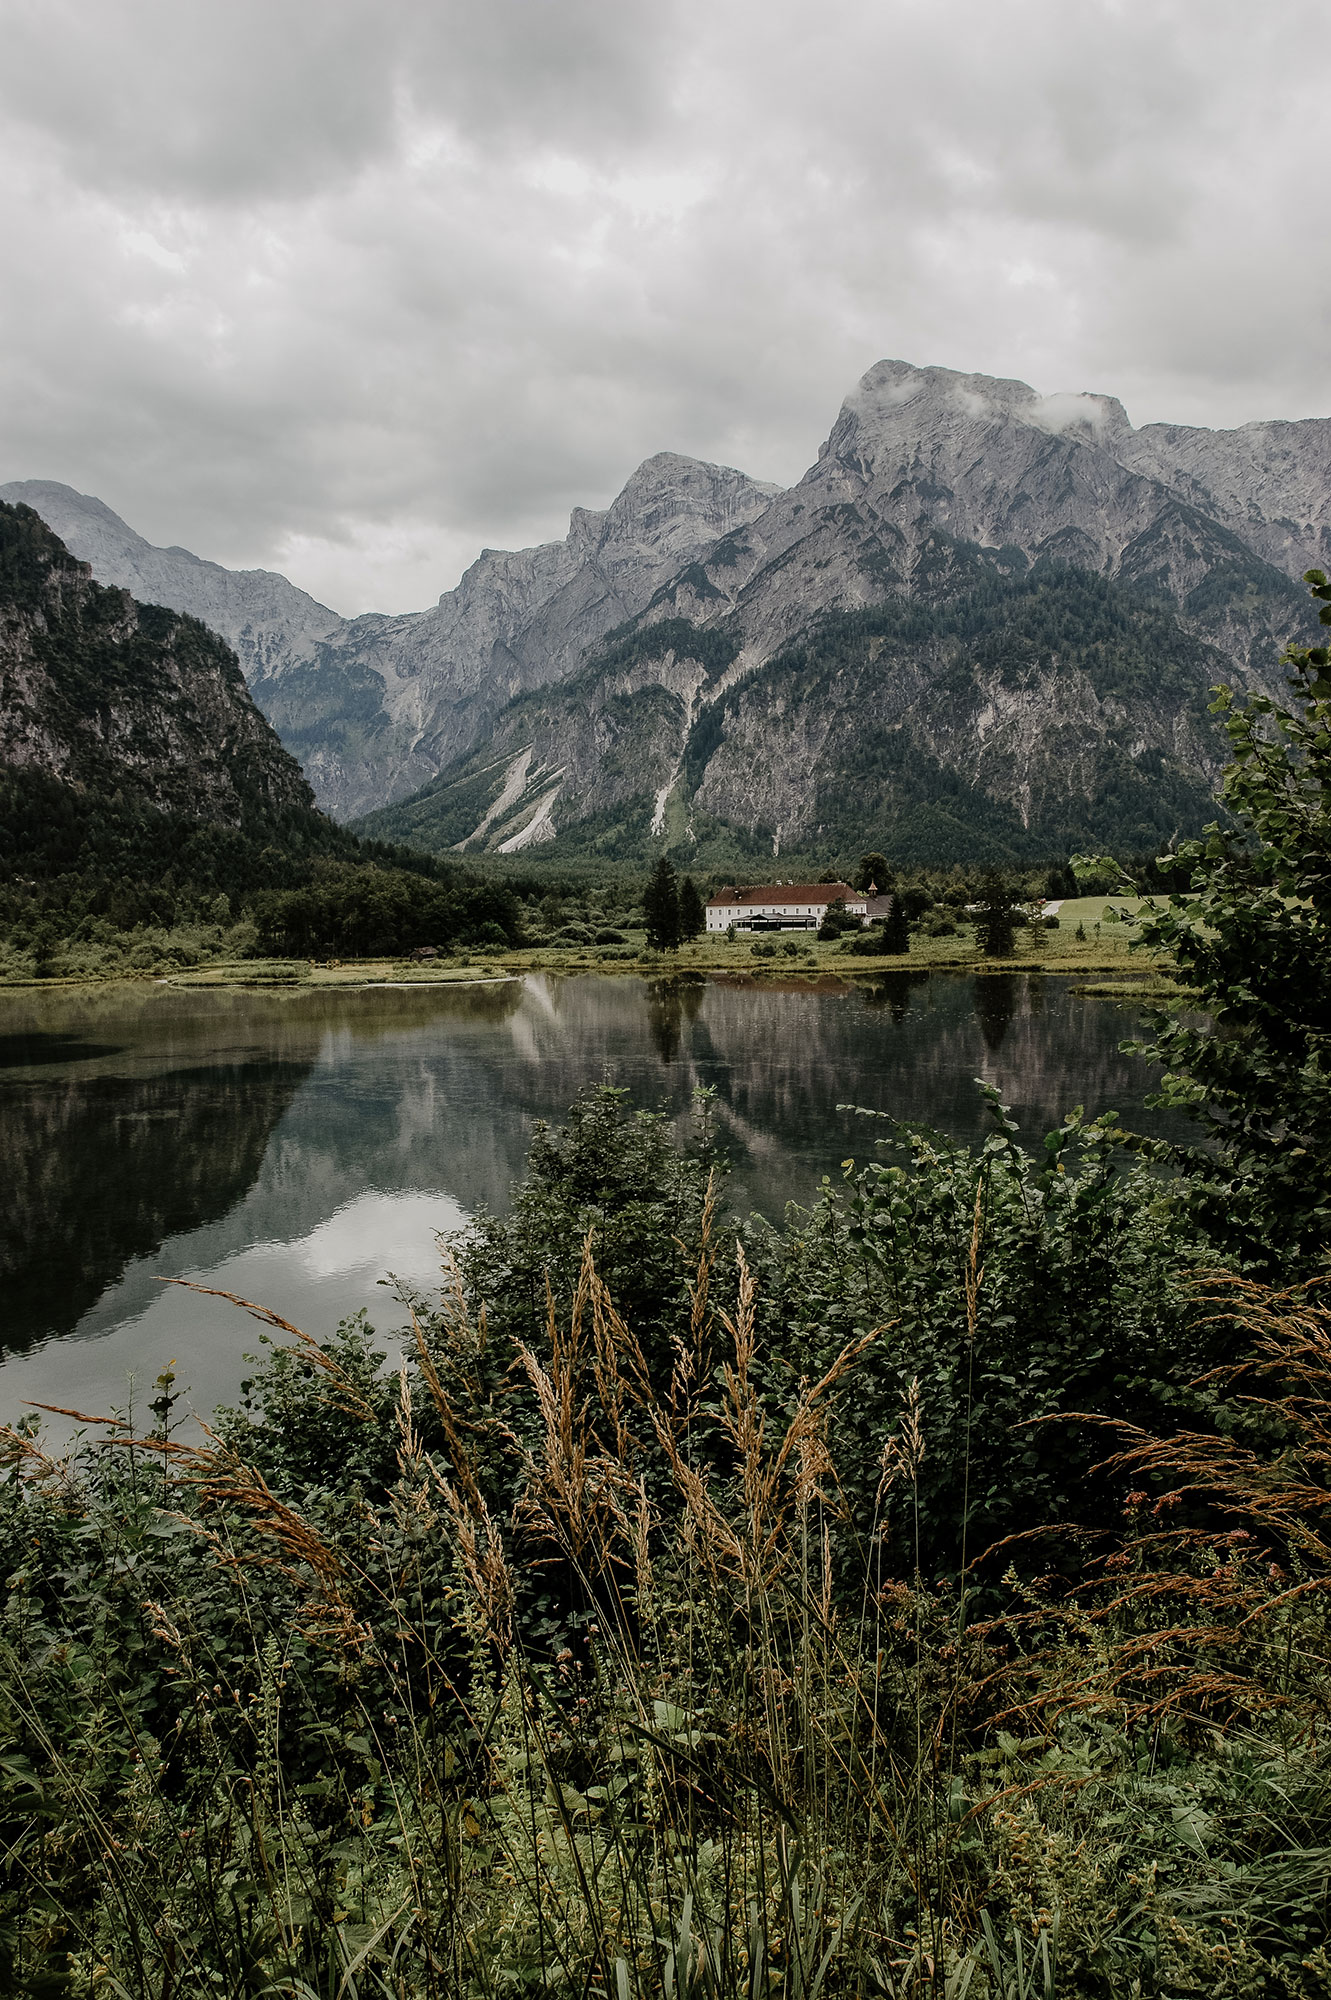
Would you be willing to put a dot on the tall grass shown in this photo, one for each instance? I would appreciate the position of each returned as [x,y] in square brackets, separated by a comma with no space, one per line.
[339,1747]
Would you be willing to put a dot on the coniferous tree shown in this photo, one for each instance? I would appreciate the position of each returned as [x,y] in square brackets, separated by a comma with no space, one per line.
[692,915]
[660,904]
[896,926]
[998,915]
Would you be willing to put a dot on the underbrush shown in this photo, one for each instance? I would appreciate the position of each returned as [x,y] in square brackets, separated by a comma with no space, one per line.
[684,1619]
[96,949]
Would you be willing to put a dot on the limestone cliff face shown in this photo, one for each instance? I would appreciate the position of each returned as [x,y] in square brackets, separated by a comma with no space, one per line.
[1022,713]
[644,673]
[1269,483]
[919,453]
[1007,707]
[109,696]
[374,706]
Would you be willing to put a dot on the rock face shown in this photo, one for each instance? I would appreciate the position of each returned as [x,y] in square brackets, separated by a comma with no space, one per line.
[983,620]
[710,653]
[1269,484]
[374,706]
[1018,718]
[108,697]
[916,454]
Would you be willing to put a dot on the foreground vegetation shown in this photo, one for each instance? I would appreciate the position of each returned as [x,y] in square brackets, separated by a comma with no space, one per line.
[929,1596]
[681,1612]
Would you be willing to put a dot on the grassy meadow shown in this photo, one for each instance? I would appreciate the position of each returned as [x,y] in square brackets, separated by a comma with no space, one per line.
[1085,938]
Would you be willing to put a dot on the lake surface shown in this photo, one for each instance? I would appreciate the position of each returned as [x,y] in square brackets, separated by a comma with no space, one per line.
[293,1147]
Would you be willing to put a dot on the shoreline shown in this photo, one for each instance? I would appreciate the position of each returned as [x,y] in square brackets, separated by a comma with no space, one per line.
[1111,972]
[1091,939]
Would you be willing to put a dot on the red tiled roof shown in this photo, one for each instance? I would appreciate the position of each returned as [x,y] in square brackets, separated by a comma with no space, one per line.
[784,892]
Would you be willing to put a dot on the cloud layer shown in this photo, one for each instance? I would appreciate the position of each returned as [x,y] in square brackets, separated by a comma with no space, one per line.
[352,289]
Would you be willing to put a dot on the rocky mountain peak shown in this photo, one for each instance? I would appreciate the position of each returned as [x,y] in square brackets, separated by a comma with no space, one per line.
[897,408]
[76,516]
[671,504]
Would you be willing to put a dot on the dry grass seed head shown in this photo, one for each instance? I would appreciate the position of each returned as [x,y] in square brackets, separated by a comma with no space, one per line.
[343,1393]
[903,1453]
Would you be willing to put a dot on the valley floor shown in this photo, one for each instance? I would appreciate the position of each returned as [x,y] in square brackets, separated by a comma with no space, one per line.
[1086,940]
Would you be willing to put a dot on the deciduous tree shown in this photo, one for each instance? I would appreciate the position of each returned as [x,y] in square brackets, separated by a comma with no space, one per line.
[1250,938]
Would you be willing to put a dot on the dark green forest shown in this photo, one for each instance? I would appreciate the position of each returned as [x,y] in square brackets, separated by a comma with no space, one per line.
[88,880]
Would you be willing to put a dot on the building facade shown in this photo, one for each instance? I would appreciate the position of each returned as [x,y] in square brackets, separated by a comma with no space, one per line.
[782,906]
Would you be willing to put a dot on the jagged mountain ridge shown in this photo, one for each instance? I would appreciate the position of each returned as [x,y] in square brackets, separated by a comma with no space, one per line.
[923,467]
[915,452]
[930,483]
[373,706]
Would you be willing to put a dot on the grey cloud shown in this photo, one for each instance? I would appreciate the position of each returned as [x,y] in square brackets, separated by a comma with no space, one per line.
[354,289]
[275,98]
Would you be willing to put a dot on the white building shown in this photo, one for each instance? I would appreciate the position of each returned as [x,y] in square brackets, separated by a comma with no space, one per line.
[782,906]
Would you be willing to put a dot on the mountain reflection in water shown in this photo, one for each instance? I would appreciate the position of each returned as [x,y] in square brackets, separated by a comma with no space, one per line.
[294,1146]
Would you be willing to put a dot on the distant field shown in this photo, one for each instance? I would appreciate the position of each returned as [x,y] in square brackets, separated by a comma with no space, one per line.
[1104,947]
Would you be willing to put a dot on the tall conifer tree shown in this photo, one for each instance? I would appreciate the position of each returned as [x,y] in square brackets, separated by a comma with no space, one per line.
[660,905]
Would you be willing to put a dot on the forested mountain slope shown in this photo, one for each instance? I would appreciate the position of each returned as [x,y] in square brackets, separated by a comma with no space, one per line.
[1021,717]
[115,712]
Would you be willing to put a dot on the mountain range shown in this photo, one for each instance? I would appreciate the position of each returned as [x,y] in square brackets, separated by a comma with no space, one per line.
[375,706]
[984,621]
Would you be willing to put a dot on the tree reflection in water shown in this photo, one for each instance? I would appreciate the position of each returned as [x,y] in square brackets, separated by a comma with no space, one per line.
[671,1003]
[893,990]
[995,1007]
[102,1169]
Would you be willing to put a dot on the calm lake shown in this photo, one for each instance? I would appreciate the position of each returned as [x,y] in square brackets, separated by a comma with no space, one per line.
[295,1146]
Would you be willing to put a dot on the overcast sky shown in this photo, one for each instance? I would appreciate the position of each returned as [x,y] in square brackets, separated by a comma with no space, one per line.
[352,288]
